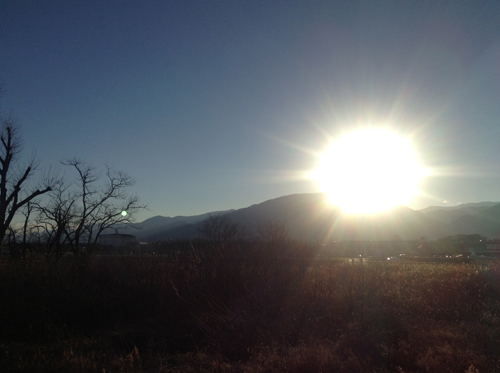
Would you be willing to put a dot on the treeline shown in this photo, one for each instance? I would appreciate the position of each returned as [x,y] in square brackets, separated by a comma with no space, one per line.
[61,226]
[53,213]
[275,238]
[71,214]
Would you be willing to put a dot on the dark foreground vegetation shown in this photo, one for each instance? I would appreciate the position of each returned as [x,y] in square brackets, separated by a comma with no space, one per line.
[206,312]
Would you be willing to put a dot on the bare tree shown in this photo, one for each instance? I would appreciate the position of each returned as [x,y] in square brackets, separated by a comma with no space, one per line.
[79,212]
[221,232]
[273,233]
[274,240]
[12,176]
[53,220]
[219,229]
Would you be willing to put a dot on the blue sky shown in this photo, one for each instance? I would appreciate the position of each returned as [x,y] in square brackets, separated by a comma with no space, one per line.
[212,105]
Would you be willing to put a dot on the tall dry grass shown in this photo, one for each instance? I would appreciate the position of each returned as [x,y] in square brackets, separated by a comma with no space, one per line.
[252,312]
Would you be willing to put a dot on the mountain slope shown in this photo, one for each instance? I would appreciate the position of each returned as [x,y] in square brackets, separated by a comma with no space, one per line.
[447,214]
[485,222]
[157,227]
[311,217]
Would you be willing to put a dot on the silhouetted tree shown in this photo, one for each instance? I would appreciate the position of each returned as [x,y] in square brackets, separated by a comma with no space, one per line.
[13,195]
[90,205]
[273,233]
[221,233]
[274,239]
[54,218]
[219,229]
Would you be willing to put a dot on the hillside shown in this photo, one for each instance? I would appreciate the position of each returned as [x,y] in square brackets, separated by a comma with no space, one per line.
[307,216]
[448,214]
[485,222]
[158,227]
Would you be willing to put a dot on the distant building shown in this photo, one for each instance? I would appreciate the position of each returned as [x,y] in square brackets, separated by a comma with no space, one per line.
[117,240]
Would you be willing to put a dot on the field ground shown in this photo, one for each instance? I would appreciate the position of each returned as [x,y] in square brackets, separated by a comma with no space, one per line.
[264,315]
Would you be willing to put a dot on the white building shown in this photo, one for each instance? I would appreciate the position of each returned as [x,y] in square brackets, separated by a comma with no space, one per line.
[117,240]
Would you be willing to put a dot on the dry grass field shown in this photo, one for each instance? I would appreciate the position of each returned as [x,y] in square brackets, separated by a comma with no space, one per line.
[206,313]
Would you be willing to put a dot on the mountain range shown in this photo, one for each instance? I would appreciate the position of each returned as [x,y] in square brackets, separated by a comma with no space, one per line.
[310,217]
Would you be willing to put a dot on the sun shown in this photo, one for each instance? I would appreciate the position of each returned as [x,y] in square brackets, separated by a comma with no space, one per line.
[369,171]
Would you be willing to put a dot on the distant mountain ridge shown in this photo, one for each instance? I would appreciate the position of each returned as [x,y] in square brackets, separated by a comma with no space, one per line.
[470,218]
[154,228]
[485,222]
[471,205]
[449,214]
[309,216]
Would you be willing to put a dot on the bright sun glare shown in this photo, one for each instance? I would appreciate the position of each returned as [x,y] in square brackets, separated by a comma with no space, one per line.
[369,171]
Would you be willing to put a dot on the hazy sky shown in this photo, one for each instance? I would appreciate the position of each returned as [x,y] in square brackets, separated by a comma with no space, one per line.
[212,105]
